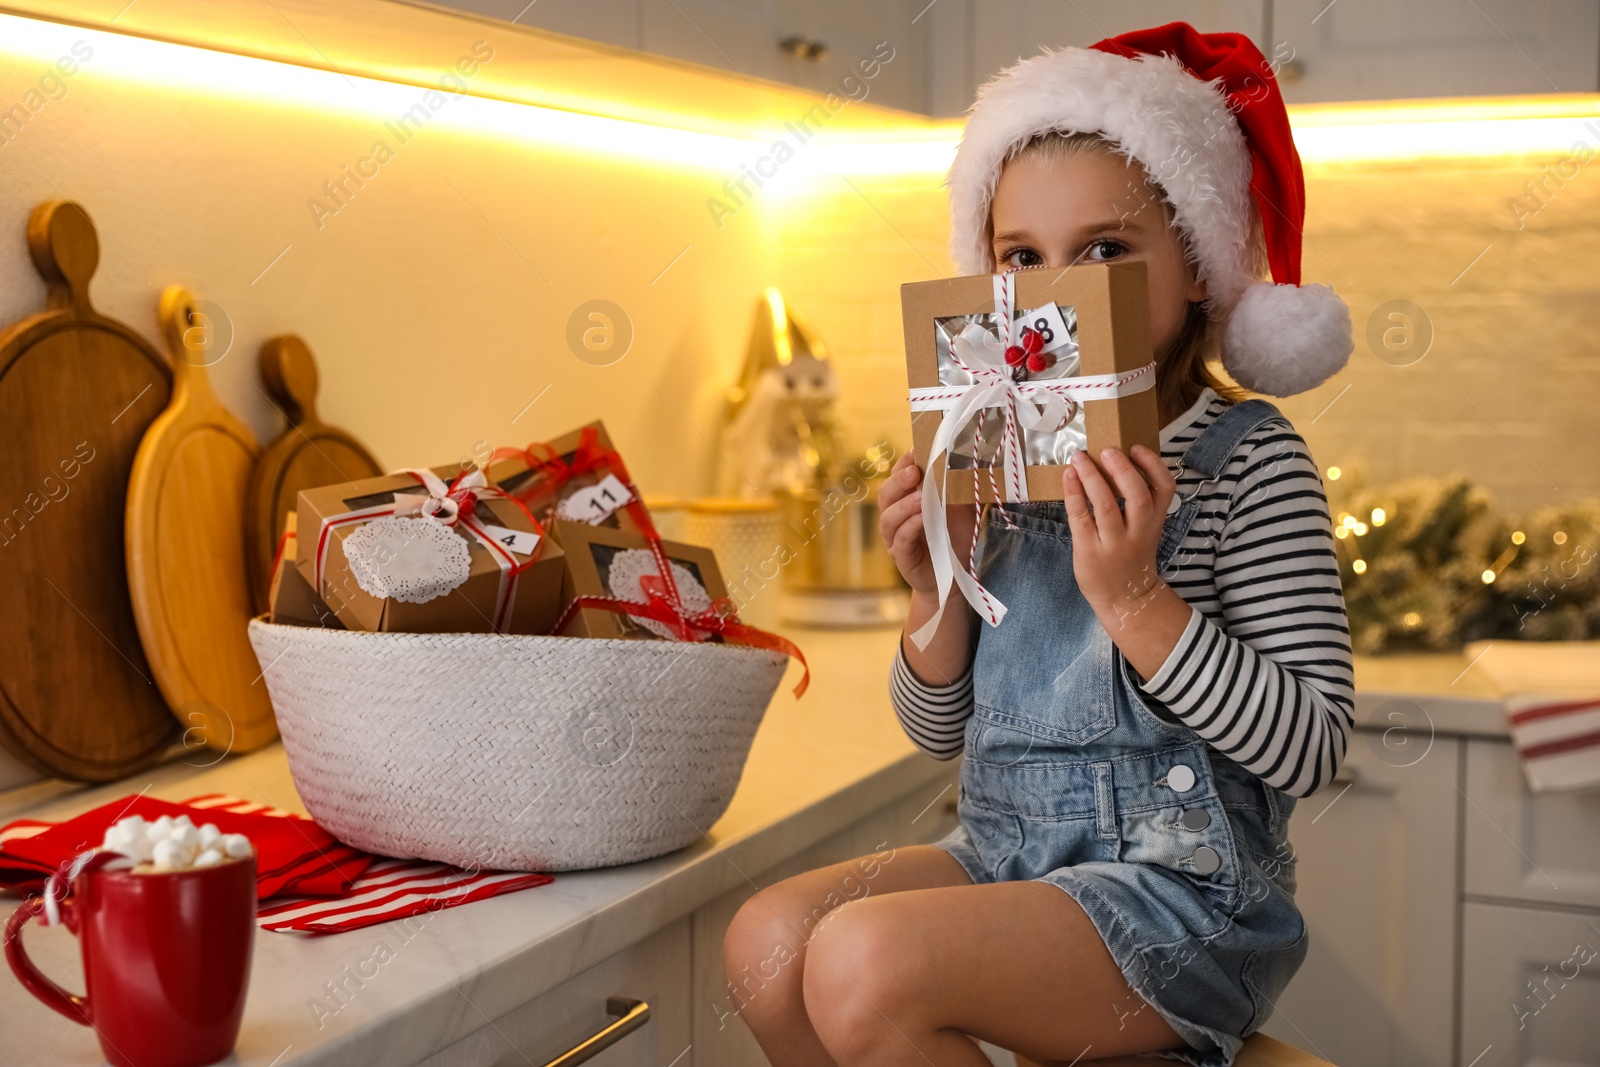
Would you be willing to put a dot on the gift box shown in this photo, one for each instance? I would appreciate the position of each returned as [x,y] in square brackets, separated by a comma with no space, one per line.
[578,476]
[620,565]
[425,551]
[1011,373]
[291,599]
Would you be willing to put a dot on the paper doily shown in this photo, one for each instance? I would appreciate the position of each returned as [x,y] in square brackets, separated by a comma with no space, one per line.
[631,564]
[404,558]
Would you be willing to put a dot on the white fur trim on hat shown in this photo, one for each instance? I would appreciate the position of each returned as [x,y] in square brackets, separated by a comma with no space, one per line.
[1181,130]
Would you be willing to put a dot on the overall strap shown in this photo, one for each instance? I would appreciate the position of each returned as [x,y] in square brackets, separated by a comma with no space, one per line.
[1208,454]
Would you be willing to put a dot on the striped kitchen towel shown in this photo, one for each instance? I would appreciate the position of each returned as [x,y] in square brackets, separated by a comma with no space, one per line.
[388,889]
[1551,694]
[384,890]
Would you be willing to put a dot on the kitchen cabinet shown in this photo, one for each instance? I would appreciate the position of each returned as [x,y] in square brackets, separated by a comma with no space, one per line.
[655,970]
[1530,988]
[611,21]
[1376,865]
[1373,49]
[811,44]
[1526,846]
[1451,911]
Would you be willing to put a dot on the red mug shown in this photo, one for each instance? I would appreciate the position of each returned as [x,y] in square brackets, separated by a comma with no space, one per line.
[166,959]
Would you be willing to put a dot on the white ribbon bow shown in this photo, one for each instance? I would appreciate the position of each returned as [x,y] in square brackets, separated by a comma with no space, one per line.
[1044,406]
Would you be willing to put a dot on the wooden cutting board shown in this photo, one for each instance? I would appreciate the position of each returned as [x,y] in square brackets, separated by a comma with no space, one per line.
[309,454]
[186,553]
[77,390]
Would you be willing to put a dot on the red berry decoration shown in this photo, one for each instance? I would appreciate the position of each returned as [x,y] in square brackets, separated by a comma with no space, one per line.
[1038,361]
[1032,341]
[1014,356]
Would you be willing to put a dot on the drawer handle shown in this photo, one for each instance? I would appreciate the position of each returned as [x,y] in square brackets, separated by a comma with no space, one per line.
[631,1014]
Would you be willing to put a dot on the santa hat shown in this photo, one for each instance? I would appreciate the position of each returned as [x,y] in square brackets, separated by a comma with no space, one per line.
[1203,114]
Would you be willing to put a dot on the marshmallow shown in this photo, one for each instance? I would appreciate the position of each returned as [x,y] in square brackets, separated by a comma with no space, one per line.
[167,853]
[174,844]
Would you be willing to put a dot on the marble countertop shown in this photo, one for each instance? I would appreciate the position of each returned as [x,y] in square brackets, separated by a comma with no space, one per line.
[817,765]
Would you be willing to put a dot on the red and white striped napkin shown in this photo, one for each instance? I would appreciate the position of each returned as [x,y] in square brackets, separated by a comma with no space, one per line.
[1551,693]
[384,889]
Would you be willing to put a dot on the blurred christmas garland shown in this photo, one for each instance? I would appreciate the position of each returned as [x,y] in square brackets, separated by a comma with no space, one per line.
[1430,564]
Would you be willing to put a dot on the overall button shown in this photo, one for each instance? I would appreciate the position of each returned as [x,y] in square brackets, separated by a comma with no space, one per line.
[1206,860]
[1180,778]
[1195,819]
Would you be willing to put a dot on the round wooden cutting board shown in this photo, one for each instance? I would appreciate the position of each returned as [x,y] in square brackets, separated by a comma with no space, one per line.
[185,549]
[77,390]
[309,454]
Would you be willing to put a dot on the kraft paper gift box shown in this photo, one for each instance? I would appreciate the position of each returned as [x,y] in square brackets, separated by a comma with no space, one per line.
[606,562]
[1096,319]
[578,475]
[291,600]
[513,586]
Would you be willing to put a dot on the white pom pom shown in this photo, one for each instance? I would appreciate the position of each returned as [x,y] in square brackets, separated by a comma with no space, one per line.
[1286,339]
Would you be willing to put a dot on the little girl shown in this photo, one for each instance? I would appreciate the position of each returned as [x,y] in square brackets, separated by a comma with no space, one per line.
[1172,673]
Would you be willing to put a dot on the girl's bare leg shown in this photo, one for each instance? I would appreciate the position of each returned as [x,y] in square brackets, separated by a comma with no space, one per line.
[903,978]
[765,947]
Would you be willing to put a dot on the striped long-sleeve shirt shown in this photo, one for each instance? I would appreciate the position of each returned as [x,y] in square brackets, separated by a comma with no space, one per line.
[1263,669]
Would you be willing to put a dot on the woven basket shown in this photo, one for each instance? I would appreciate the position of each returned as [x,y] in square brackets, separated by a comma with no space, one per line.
[513,752]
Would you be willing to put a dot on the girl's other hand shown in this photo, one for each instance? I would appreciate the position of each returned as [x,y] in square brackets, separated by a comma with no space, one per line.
[901,529]
[1114,551]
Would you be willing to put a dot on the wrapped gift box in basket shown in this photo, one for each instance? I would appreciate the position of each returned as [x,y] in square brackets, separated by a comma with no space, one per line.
[503,749]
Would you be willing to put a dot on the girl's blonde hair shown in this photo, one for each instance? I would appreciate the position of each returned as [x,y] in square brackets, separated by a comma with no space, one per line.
[1184,370]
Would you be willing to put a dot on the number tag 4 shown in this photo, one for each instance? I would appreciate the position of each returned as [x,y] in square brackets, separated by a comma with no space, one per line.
[522,542]
[595,503]
[1047,322]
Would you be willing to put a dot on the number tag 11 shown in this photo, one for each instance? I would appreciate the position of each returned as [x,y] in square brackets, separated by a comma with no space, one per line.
[595,503]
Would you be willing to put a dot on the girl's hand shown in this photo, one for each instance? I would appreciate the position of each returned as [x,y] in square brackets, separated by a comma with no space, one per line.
[1114,551]
[900,524]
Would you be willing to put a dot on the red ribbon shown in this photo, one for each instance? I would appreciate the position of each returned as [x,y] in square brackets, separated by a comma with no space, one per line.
[555,471]
[663,603]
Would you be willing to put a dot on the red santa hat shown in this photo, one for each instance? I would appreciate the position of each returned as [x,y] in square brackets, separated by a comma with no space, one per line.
[1202,113]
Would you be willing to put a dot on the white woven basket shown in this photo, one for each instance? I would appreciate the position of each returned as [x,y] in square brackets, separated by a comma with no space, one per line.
[513,752]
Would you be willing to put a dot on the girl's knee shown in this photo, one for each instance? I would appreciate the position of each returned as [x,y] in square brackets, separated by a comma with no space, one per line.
[855,979]
[761,955]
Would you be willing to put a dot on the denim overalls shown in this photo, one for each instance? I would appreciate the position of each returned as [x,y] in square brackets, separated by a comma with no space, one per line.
[1179,856]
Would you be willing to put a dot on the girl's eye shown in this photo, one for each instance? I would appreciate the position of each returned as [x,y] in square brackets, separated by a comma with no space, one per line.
[1105,248]
[1023,257]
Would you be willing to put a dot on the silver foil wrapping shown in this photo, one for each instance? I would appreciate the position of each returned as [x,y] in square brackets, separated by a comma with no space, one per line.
[977,444]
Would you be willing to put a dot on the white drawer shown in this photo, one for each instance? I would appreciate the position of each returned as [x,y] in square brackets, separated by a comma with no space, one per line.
[1527,991]
[1528,846]
[656,971]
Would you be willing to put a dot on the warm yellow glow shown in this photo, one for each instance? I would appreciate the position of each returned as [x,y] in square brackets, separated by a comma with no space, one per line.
[1333,474]
[1488,577]
[1517,537]
[1379,516]
[1360,528]
[780,327]
[1341,532]
[1411,619]
[1544,126]
[1428,129]
[1359,566]
[1559,538]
